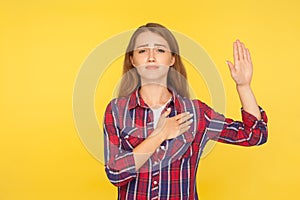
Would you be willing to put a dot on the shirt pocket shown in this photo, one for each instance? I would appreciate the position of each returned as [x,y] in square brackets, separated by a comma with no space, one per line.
[131,137]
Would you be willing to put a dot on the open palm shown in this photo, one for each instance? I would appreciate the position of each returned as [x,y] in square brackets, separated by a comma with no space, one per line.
[241,70]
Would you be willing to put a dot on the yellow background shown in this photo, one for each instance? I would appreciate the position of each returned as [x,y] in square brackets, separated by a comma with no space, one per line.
[44,43]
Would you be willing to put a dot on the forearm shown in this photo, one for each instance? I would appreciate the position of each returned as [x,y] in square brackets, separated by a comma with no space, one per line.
[144,150]
[248,100]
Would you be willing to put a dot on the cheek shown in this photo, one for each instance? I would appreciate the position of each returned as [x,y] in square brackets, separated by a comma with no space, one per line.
[167,60]
[139,59]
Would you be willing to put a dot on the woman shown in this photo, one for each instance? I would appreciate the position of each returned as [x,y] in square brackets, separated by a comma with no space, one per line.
[154,134]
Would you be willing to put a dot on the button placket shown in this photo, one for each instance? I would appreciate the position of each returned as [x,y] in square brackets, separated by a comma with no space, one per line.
[155,182]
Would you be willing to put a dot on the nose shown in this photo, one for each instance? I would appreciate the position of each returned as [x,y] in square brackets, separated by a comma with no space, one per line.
[151,57]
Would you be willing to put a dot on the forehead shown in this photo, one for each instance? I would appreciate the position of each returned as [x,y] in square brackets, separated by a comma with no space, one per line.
[150,39]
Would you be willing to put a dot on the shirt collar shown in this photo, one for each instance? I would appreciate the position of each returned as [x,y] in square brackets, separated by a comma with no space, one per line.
[135,100]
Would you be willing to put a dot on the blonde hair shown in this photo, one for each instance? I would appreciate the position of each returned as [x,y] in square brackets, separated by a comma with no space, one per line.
[177,78]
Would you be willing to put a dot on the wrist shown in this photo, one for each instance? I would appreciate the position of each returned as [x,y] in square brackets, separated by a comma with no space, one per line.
[159,134]
[162,136]
[243,87]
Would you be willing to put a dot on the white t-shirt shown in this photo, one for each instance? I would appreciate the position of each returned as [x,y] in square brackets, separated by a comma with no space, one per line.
[157,112]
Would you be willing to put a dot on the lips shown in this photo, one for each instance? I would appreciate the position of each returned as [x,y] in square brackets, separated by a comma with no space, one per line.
[152,67]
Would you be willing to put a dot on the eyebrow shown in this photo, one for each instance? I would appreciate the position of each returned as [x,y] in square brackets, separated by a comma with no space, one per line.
[145,45]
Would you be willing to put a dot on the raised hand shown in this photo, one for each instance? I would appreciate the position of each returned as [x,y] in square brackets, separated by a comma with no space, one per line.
[173,126]
[242,69]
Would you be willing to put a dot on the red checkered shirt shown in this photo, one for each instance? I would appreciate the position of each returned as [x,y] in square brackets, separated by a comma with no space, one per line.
[170,172]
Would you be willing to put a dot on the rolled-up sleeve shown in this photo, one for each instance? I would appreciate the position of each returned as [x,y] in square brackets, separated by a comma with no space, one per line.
[119,164]
[248,132]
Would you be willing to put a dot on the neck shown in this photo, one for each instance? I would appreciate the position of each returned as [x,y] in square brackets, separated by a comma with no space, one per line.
[155,95]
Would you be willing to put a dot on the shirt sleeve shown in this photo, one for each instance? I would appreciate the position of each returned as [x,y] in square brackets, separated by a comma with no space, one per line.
[248,132]
[119,164]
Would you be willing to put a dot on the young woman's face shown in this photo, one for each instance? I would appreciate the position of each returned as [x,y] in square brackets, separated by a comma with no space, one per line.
[152,57]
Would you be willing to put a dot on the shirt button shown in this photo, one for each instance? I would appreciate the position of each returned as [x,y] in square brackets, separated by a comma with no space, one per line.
[163,147]
[154,182]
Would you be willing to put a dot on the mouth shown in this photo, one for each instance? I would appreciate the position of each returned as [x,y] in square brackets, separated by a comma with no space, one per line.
[152,67]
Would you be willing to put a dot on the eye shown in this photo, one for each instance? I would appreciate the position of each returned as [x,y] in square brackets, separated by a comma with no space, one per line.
[161,50]
[141,51]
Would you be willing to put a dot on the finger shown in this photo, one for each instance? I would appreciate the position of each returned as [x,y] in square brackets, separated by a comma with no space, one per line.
[240,50]
[184,129]
[249,56]
[235,52]
[244,52]
[179,116]
[186,124]
[167,112]
[185,118]
[230,65]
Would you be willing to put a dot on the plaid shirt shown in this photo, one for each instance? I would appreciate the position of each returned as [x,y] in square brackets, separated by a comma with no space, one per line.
[170,172]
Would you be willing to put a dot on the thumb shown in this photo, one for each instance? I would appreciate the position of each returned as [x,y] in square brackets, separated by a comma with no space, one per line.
[230,65]
[168,111]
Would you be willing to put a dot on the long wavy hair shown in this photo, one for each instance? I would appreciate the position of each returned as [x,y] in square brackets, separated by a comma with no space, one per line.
[177,78]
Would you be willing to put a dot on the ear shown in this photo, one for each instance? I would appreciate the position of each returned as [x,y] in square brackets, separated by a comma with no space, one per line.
[131,60]
[172,61]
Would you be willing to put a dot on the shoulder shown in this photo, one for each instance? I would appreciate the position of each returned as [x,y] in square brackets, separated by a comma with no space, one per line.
[192,105]
[117,103]
[191,102]
[200,104]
